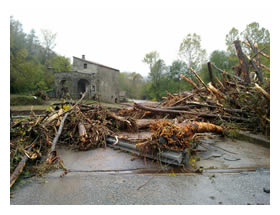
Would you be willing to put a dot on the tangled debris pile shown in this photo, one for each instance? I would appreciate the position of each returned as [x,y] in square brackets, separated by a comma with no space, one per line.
[233,99]
[172,126]
[80,127]
[177,137]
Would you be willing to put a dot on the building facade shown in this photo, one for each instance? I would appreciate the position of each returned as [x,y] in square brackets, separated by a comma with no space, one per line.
[101,82]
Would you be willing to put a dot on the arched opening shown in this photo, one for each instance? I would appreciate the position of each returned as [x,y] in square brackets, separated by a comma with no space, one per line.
[64,89]
[82,85]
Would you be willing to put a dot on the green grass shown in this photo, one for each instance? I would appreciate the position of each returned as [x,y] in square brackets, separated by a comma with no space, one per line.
[24,100]
[29,107]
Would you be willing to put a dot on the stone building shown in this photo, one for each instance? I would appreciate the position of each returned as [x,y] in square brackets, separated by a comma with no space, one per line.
[101,81]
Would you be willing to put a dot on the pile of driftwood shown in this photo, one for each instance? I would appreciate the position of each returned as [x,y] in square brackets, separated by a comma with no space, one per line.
[79,126]
[235,101]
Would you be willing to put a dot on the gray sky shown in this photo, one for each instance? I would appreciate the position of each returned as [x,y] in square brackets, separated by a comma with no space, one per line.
[120,33]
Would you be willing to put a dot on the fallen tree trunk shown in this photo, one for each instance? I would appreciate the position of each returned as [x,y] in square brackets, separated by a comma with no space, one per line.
[204,115]
[196,104]
[201,127]
[55,140]
[18,170]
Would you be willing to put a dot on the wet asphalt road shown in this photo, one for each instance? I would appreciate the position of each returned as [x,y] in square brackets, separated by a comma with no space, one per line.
[114,188]
[130,189]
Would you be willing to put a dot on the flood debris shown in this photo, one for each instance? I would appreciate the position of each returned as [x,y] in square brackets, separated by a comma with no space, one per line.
[168,132]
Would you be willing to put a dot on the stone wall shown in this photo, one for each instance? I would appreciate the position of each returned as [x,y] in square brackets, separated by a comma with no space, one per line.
[102,82]
[108,85]
[78,65]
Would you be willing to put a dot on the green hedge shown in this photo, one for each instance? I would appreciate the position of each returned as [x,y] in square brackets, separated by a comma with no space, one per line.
[25,100]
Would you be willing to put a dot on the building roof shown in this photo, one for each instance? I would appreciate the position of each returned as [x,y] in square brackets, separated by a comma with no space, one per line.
[91,62]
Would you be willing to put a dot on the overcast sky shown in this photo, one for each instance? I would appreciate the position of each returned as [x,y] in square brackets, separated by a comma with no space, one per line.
[119,33]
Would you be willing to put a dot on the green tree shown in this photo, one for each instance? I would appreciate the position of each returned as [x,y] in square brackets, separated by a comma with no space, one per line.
[175,84]
[151,58]
[191,51]
[48,42]
[255,34]
[29,61]
[230,38]
[223,60]
[59,64]
[133,83]
[257,37]
[156,77]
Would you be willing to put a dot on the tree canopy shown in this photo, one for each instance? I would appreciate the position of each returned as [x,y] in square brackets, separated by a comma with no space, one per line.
[30,59]
[191,51]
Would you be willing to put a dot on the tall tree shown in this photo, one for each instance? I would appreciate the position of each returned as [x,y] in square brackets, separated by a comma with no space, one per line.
[177,68]
[151,58]
[230,38]
[28,69]
[256,34]
[156,76]
[191,51]
[48,42]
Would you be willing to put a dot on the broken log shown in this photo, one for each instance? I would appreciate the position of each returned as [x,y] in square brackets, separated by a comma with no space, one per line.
[221,71]
[18,170]
[200,80]
[189,81]
[257,70]
[260,89]
[263,66]
[197,104]
[204,115]
[211,74]
[121,119]
[82,132]
[216,91]
[255,50]
[201,127]
[53,117]
[55,140]
[181,100]
[260,52]
[243,63]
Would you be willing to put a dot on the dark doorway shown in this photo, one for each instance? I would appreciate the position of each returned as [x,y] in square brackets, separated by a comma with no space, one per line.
[82,85]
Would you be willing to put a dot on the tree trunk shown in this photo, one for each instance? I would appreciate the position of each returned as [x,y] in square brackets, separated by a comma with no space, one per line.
[203,115]
[211,74]
[243,63]
[18,170]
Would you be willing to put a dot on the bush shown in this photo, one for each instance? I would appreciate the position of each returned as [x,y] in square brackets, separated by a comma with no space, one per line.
[41,94]
[25,100]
